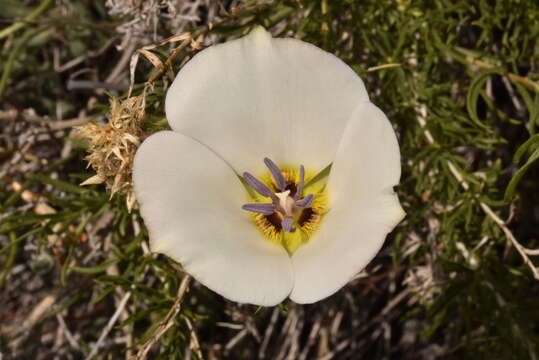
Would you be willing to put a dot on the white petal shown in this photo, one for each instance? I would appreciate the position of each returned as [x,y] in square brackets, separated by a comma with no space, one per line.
[363,208]
[257,96]
[191,203]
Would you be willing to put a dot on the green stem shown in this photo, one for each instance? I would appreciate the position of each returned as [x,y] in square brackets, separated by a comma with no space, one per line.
[16,26]
[12,57]
[9,261]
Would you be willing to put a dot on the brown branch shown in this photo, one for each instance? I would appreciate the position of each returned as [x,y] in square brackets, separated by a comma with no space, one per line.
[109,326]
[79,59]
[194,344]
[28,116]
[167,322]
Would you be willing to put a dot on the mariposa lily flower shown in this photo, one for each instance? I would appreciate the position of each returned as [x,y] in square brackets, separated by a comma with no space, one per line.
[236,192]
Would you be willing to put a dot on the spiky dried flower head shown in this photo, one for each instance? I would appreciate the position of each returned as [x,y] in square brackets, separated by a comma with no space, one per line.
[112,146]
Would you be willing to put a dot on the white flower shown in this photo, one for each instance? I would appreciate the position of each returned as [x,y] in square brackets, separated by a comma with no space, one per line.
[257,98]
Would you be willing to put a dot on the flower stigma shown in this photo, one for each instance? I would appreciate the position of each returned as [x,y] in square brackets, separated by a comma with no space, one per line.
[285,210]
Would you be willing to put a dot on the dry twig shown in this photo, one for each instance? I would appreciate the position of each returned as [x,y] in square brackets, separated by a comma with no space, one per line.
[268,333]
[32,117]
[65,330]
[194,344]
[167,322]
[109,325]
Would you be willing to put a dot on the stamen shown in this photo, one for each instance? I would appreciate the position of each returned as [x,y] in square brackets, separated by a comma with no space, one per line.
[299,189]
[305,202]
[256,184]
[276,173]
[260,208]
[287,224]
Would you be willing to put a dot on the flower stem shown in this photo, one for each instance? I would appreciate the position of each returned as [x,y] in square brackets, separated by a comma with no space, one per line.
[16,26]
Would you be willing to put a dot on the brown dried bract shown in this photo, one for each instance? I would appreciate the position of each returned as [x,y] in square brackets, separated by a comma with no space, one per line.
[112,146]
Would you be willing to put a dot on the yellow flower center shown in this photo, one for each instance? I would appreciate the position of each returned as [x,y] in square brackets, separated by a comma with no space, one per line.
[292,218]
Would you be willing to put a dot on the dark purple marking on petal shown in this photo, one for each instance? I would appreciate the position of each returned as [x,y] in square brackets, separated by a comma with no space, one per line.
[256,184]
[276,173]
[260,208]
[287,224]
[299,189]
[305,202]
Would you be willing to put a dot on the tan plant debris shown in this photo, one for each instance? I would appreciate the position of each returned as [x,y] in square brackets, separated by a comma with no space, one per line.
[112,146]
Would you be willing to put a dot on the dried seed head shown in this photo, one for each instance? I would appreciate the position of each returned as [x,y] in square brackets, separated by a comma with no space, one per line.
[112,146]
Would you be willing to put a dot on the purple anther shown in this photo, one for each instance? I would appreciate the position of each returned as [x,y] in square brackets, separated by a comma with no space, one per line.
[276,173]
[258,185]
[287,224]
[260,208]
[305,202]
[299,189]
